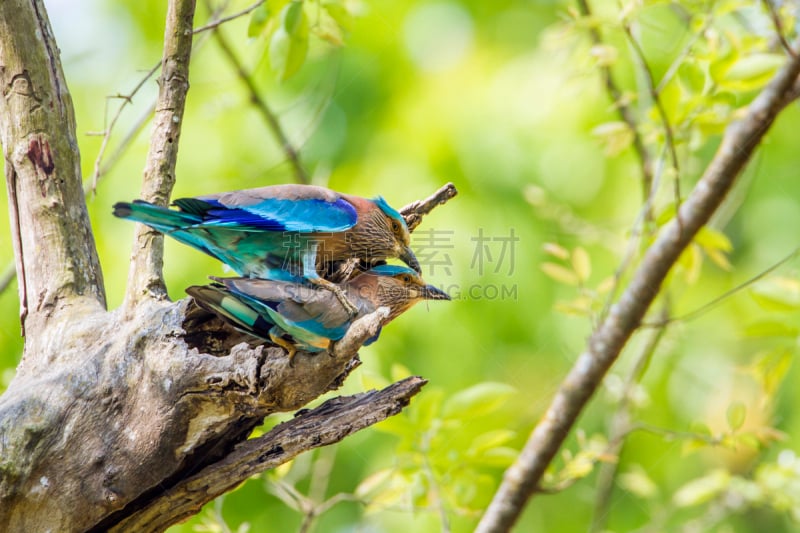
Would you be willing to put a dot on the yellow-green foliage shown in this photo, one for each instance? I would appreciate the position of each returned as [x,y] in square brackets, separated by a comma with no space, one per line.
[505,99]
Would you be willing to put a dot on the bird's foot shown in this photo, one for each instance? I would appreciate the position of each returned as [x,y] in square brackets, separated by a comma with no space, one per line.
[286,345]
[340,295]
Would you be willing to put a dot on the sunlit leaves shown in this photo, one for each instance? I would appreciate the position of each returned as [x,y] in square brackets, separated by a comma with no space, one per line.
[616,136]
[445,443]
[477,400]
[636,481]
[737,411]
[289,43]
[702,489]
[773,485]
[750,72]
[574,269]
[287,25]
[779,294]
[770,368]
[579,464]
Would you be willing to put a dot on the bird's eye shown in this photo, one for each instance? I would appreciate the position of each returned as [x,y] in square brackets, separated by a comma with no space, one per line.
[406,278]
[395,226]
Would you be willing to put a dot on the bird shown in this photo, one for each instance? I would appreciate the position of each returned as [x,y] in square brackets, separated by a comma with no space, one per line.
[282,232]
[298,316]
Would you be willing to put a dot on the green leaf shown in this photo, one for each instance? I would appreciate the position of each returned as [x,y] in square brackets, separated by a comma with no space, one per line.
[556,250]
[582,264]
[559,273]
[703,489]
[500,457]
[340,14]
[489,440]
[637,482]
[771,328]
[478,400]
[713,239]
[770,369]
[616,136]
[736,414]
[750,72]
[258,20]
[426,408]
[289,44]
[777,294]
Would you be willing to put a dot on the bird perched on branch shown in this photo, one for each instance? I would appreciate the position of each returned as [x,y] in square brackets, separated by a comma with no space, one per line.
[299,316]
[282,232]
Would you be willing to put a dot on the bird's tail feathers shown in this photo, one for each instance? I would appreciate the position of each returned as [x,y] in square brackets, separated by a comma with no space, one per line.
[228,306]
[163,219]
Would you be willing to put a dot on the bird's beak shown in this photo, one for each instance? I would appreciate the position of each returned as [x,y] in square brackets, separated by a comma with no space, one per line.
[429,292]
[407,256]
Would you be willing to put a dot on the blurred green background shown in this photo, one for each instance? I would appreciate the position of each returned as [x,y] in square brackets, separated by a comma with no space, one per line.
[503,99]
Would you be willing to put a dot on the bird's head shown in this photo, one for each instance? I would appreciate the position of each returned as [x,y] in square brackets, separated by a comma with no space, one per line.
[394,222]
[396,287]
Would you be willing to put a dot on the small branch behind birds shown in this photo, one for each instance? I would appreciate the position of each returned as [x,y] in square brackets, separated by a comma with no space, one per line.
[414,211]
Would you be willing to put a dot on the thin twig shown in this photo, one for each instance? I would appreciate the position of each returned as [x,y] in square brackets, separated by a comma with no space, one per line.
[126,99]
[639,228]
[776,21]
[620,426]
[258,101]
[626,112]
[662,113]
[679,60]
[691,315]
[120,150]
[215,23]
[608,340]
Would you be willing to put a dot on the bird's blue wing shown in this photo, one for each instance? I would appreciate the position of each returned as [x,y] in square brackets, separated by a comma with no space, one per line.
[304,209]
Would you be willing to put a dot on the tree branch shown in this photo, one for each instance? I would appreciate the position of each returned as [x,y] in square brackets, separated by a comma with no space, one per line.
[145,278]
[605,344]
[42,166]
[327,424]
[414,211]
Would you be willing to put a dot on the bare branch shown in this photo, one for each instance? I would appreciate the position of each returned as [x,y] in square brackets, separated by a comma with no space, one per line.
[776,21]
[101,170]
[605,344]
[662,113]
[691,315]
[217,22]
[414,211]
[126,100]
[327,424]
[42,166]
[258,101]
[626,112]
[145,278]
[620,427]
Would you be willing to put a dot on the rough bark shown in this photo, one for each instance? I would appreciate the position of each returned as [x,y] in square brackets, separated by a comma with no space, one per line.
[111,410]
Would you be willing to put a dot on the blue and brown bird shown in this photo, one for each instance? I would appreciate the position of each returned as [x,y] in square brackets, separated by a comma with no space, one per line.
[282,232]
[299,316]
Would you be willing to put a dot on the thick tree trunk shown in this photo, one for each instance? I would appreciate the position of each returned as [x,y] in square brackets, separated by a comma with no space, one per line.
[134,418]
